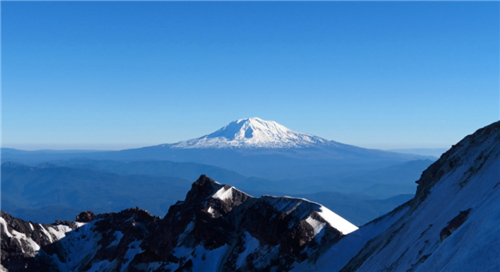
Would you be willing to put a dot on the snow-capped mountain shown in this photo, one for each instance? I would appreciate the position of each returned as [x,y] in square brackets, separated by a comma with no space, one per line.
[251,147]
[266,149]
[251,133]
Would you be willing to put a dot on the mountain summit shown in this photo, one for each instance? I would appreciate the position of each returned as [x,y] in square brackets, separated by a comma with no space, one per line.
[252,133]
[266,149]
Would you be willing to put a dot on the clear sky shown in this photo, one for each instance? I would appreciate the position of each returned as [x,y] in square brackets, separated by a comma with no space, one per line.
[112,75]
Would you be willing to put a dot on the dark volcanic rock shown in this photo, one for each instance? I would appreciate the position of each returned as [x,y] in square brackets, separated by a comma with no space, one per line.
[454,224]
[85,217]
[217,227]
[20,240]
[214,216]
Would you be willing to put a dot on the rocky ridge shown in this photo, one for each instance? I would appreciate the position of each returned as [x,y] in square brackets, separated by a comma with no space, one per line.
[21,241]
[217,227]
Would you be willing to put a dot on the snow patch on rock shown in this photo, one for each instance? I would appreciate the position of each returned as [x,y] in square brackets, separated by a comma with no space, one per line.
[315,224]
[224,194]
[336,221]
[251,244]
[20,237]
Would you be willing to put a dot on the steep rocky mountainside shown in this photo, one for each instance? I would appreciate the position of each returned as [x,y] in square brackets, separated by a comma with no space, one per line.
[217,227]
[450,225]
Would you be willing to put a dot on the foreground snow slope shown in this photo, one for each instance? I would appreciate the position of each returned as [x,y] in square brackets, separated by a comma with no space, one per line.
[452,224]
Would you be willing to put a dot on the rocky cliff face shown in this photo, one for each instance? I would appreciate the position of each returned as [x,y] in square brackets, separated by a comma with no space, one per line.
[217,227]
[22,241]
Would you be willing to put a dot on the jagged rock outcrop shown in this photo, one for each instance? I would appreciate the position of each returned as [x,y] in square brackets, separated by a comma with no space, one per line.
[217,227]
[21,240]
[249,233]
[85,217]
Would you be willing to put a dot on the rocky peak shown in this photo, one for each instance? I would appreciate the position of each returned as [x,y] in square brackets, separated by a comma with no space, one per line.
[212,197]
[85,217]
[220,217]
[202,188]
[217,227]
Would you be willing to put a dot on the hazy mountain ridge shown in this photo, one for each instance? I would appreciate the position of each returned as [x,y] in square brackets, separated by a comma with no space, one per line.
[30,190]
[266,149]
[252,147]
[103,186]
[296,166]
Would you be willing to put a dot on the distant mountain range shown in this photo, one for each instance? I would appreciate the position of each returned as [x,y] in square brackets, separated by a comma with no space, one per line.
[265,149]
[248,140]
[451,224]
[49,192]
[436,152]
[260,157]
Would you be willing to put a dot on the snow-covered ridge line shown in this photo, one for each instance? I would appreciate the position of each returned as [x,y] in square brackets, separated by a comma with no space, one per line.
[227,193]
[328,216]
[252,133]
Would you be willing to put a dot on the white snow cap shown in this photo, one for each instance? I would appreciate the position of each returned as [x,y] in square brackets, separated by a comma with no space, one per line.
[252,132]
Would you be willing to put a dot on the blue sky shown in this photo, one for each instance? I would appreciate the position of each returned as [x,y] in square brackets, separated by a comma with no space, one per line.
[112,75]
